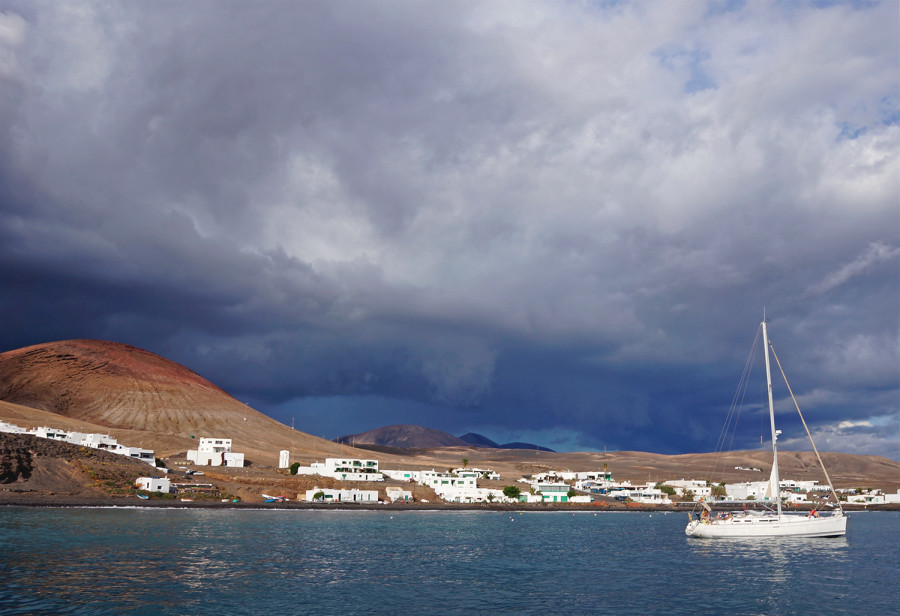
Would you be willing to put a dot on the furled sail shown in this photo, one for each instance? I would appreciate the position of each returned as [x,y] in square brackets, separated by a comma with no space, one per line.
[772,492]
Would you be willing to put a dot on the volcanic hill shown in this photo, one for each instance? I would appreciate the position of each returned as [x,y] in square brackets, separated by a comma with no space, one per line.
[409,436]
[404,436]
[129,392]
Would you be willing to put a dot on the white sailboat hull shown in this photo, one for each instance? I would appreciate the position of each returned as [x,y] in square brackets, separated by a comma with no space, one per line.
[770,525]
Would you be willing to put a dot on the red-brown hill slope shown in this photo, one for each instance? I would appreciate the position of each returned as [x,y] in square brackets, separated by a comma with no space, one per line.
[114,385]
[117,387]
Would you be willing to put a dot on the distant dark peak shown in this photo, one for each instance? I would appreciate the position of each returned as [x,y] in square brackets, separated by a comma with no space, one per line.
[525,446]
[416,437]
[478,440]
[404,436]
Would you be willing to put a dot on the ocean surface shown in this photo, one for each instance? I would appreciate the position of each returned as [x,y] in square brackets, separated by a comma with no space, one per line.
[172,561]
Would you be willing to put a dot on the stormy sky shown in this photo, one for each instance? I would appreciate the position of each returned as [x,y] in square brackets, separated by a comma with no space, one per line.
[554,222]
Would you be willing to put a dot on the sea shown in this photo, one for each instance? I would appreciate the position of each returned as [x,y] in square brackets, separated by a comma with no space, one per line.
[214,561]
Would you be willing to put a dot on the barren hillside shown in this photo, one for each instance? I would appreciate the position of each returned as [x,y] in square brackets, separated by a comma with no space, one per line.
[141,399]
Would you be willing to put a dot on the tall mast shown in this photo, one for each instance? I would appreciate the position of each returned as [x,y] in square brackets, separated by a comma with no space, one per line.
[774,478]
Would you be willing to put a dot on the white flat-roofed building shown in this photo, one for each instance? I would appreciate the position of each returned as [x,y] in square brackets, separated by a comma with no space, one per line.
[50,433]
[144,455]
[11,428]
[473,495]
[350,469]
[154,484]
[697,486]
[750,490]
[395,494]
[869,497]
[553,492]
[444,482]
[477,473]
[94,441]
[553,477]
[556,476]
[401,475]
[647,496]
[215,452]
[801,486]
[98,441]
[338,495]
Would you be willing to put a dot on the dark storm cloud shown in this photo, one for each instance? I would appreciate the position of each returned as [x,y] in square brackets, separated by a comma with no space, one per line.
[541,222]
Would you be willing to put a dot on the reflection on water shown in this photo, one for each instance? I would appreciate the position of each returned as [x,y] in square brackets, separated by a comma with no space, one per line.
[767,573]
[245,562]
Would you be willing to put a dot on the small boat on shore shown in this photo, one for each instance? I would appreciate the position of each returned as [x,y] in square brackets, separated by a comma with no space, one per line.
[143,496]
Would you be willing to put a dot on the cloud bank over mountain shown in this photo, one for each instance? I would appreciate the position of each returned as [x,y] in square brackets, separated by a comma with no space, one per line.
[542,222]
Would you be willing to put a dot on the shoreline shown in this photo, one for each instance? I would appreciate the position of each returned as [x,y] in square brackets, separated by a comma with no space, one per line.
[136,503]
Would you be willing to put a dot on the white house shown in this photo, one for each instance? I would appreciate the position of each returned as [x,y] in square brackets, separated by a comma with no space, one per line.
[477,473]
[11,428]
[699,487]
[801,485]
[154,484]
[395,494]
[445,482]
[99,441]
[337,495]
[95,441]
[144,455]
[457,486]
[284,458]
[645,495]
[50,433]
[869,497]
[601,485]
[551,476]
[460,494]
[344,469]
[553,492]
[215,452]
[748,490]
[401,475]
[554,476]
[462,488]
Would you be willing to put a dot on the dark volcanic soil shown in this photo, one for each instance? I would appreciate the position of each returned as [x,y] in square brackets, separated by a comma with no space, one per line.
[36,468]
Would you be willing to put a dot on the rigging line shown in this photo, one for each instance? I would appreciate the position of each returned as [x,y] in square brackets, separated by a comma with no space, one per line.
[731,420]
[797,406]
[734,411]
[747,371]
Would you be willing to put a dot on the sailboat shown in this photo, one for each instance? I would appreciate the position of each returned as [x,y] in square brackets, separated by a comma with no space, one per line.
[772,522]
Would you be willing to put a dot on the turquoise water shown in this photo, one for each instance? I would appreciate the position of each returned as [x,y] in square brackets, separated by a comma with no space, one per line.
[169,561]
